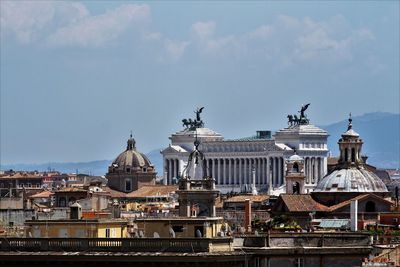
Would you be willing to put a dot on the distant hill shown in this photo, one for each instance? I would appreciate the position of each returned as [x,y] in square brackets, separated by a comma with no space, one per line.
[380,133]
[98,167]
[379,130]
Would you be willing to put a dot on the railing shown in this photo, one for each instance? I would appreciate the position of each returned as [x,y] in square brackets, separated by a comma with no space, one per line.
[113,244]
[308,240]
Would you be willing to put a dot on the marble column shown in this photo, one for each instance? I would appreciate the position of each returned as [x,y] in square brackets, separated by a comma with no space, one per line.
[213,168]
[169,171]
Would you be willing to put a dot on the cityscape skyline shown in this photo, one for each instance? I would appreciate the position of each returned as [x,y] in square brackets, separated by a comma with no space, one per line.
[249,65]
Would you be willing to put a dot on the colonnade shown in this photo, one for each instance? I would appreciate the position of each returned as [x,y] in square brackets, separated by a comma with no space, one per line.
[238,171]
[173,169]
[314,169]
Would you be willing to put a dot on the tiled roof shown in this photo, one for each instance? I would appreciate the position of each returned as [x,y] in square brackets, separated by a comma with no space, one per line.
[333,160]
[242,198]
[70,189]
[115,193]
[359,197]
[301,203]
[153,190]
[22,175]
[43,194]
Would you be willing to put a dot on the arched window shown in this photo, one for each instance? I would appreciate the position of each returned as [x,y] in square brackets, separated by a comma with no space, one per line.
[353,155]
[296,188]
[370,206]
[295,167]
[346,154]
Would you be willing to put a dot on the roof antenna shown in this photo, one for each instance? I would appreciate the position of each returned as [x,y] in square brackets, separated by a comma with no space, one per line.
[131,133]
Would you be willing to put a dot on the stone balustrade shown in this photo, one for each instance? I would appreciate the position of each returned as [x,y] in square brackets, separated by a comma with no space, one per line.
[117,244]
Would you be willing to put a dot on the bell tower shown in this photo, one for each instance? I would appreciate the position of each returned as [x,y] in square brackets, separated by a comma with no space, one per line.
[295,175]
[197,193]
[350,147]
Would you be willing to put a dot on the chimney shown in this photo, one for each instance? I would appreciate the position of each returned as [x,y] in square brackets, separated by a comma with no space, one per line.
[247,215]
[353,215]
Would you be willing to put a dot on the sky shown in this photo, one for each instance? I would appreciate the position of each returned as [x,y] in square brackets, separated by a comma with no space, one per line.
[77,77]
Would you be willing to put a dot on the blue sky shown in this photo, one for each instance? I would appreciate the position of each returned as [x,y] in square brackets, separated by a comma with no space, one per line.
[78,76]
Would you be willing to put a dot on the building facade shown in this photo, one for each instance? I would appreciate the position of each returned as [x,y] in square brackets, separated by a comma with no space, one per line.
[235,163]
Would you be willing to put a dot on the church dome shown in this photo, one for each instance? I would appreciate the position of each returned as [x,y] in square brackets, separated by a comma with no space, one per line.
[131,160]
[351,180]
[350,174]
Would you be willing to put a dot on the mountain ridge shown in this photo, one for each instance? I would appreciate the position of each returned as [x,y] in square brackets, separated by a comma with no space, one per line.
[379,131]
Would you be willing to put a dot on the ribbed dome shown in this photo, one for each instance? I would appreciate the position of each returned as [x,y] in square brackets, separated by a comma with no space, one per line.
[131,159]
[351,180]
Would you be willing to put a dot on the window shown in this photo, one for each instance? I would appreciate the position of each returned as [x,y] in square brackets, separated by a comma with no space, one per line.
[296,167]
[107,232]
[128,185]
[370,206]
[29,185]
[353,155]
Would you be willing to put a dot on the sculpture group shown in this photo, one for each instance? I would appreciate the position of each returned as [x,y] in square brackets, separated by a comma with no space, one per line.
[301,120]
[196,123]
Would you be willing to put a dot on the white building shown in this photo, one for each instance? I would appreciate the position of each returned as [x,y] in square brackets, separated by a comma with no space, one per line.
[231,162]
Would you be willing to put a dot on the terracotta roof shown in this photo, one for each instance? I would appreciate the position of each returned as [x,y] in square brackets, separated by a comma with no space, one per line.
[359,197]
[115,193]
[301,203]
[22,175]
[242,198]
[43,194]
[153,190]
[332,160]
[71,189]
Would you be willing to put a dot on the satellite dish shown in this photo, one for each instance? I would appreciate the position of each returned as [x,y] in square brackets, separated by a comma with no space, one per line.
[256,233]
[156,235]
[171,232]
[198,233]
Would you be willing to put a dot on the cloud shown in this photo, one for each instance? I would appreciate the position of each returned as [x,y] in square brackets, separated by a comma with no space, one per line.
[287,41]
[175,49]
[68,23]
[101,29]
[29,21]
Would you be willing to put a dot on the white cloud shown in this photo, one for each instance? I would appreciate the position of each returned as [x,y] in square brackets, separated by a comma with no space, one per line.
[25,19]
[68,23]
[101,29]
[287,41]
[175,49]
[203,30]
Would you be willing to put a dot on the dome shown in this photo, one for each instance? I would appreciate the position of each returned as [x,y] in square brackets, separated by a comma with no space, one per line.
[351,180]
[131,159]
[295,157]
